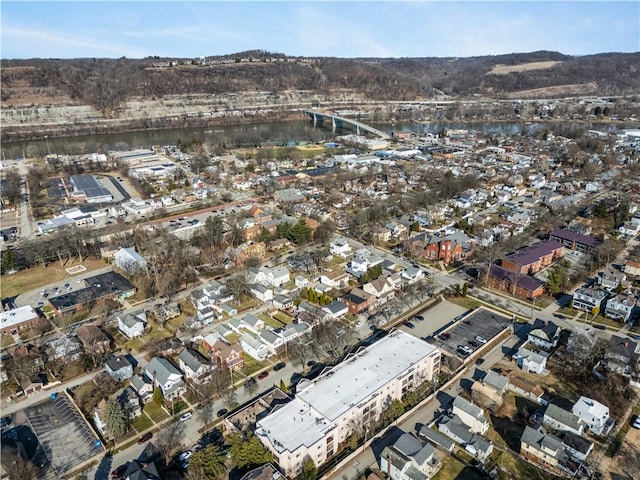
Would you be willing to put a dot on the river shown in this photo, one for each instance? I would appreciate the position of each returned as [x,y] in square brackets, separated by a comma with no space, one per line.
[252,134]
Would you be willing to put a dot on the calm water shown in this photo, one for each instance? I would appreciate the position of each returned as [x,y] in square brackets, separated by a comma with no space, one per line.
[240,135]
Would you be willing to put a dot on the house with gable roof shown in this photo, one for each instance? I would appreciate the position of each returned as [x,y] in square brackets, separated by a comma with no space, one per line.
[166,376]
[594,414]
[470,414]
[622,355]
[194,365]
[531,362]
[132,324]
[254,347]
[545,334]
[409,459]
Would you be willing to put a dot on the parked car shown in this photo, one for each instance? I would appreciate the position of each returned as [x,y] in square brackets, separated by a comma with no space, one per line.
[279,366]
[186,416]
[263,375]
[464,350]
[359,323]
[222,412]
[185,455]
[480,361]
[445,336]
[474,344]
[419,318]
[409,325]
[481,340]
[118,472]
[146,437]
[636,422]
[600,327]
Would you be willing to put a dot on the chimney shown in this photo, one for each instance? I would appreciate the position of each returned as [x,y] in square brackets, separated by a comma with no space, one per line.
[626,344]
[546,323]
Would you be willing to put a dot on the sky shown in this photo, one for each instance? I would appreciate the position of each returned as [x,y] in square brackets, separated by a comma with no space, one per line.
[53,29]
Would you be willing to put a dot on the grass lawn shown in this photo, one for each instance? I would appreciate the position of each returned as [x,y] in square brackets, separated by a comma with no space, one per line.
[175,323]
[282,317]
[519,468]
[155,412]
[37,277]
[269,321]
[6,341]
[141,423]
[251,365]
[233,338]
[451,468]
[135,344]
[465,302]
[177,406]
[607,321]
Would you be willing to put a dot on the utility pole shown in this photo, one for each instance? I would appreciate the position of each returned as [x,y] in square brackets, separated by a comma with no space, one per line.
[46,139]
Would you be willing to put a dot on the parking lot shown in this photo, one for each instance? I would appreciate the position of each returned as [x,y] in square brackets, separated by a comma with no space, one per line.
[64,436]
[479,323]
[435,318]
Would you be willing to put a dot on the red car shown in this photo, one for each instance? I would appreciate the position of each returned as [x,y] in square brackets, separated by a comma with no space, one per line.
[118,472]
[263,375]
[145,438]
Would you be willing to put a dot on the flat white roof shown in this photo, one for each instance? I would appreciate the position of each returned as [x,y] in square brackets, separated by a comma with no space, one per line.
[355,379]
[17,316]
[321,402]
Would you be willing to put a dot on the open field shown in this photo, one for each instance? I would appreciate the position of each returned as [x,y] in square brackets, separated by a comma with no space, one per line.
[37,277]
[501,69]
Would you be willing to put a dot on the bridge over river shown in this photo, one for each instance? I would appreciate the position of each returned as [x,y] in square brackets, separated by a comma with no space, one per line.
[340,122]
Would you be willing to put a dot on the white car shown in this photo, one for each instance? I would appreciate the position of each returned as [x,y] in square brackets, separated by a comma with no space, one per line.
[186,416]
[359,323]
[185,455]
[480,339]
[636,423]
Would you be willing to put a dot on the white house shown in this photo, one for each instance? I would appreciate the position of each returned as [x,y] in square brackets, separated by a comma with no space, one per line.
[129,260]
[531,361]
[340,248]
[165,376]
[254,347]
[594,414]
[194,365]
[557,418]
[544,334]
[253,323]
[271,340]
[277,276]
[132,324]
[409,459]
[262,293]
[119,368]
[336,309]
[471,415]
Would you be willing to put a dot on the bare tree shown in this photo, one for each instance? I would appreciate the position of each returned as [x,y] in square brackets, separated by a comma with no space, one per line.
[169,440]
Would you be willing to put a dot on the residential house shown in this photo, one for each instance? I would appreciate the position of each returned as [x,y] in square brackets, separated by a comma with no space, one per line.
[93,339]
[358,301]
[632,268]
[261,292]
[226,356]
[254,347]
[335,279]
[130,401]
[255,250]
[381,289]
[610,278]
[545,334]
[66,346]
[525,388]
[130,261]
[291,331]
[436,438]
[546,450]
[166,376]
[272,340]
[454,428]
[621,306]
[532,259]
[169,347]
[470,414]
[119,367]
[336,309]
[340,248]
[531,362]
[589,299]
[492,386]
[169,311]
[562,420]
[594,414]
[577,447]
[277,276]
[32,384]
[148,466]
[409,459]
[252,323]
[283,302]
[132,324]
[447,247]
[622,355]
[412,274]
[194,365]
[143,387]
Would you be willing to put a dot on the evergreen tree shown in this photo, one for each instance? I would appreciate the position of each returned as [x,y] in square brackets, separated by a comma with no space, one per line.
[116,418]
[309,470]
[158,396]
[208,462]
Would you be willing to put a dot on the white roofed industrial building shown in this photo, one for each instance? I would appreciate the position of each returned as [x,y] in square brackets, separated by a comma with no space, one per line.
[358,389]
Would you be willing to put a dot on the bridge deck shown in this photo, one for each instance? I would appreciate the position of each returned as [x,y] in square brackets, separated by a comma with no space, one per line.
[355,123]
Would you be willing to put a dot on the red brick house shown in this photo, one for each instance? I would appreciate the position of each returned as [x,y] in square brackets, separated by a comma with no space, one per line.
[225,355]
[445,248]
[358,301]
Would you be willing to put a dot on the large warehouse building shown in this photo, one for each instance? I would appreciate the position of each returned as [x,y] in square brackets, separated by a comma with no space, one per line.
[89,189]
[358,390]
